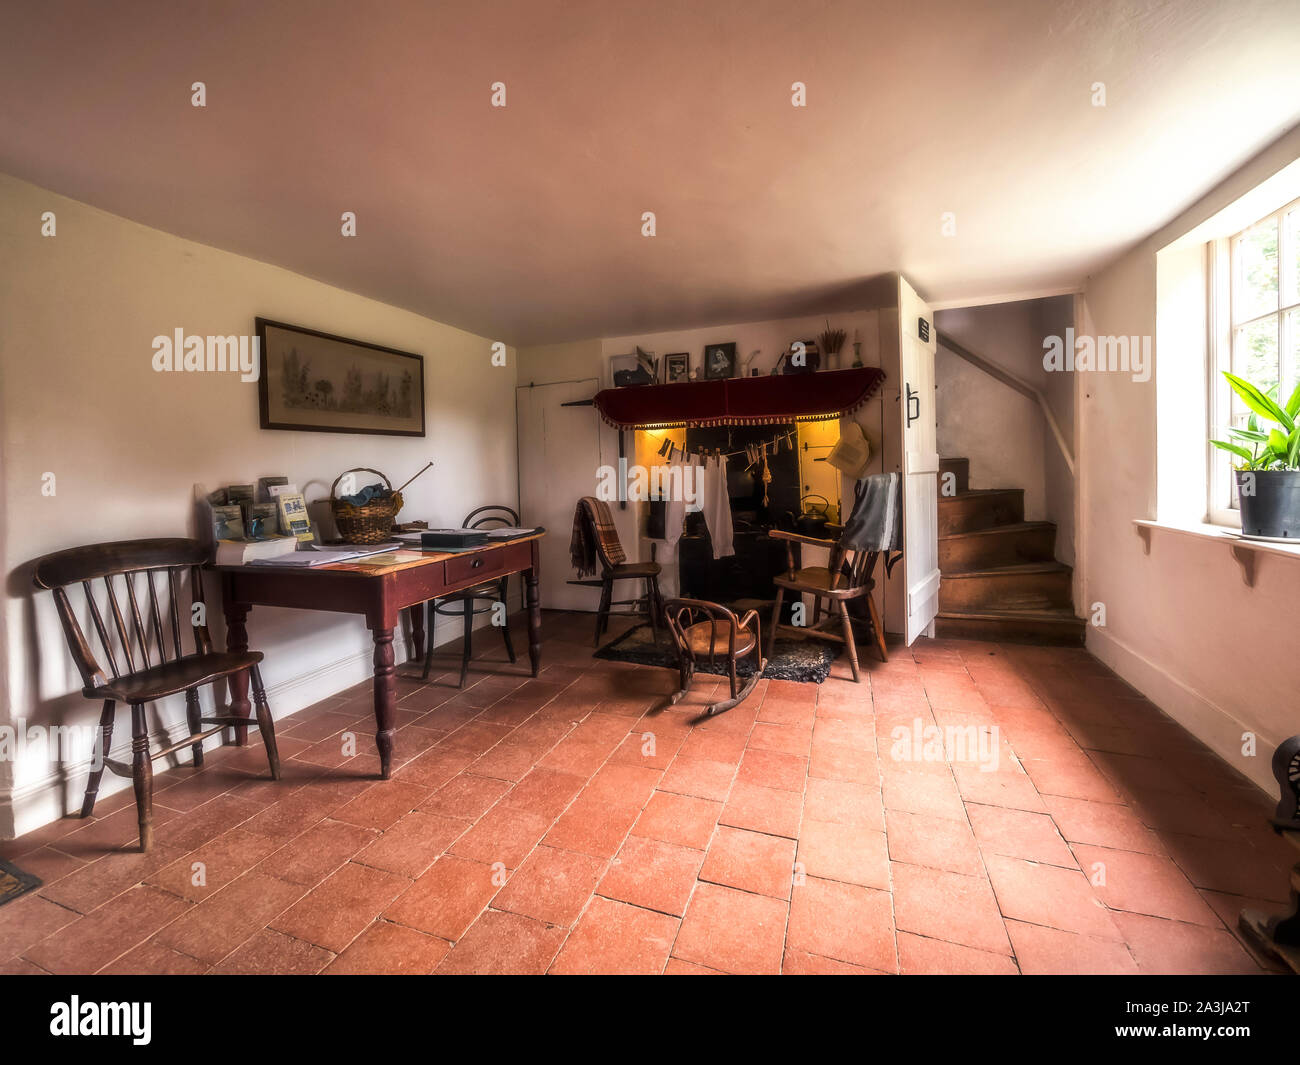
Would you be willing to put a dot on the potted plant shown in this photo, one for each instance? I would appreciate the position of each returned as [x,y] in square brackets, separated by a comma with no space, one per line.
[1268,466]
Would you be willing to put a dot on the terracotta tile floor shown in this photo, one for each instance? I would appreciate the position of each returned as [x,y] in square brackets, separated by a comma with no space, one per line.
[566,824]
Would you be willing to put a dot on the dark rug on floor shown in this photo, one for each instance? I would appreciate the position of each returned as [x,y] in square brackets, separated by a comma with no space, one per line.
[807,661]
[14,882]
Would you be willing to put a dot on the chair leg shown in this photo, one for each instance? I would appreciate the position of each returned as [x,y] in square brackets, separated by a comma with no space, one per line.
[106,742]
[852,647]
[265,723]
[194,715]
[142,776]
[503,592]
[602,613]
[877,628]
[432,620]
[651,596]
[776,621]
[468,649]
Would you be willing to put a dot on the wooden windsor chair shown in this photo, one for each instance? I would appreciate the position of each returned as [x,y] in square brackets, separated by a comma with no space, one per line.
[846,578]
[599,522]
[153,563]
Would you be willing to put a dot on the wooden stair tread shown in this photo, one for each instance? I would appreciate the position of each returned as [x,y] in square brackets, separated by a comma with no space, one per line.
[970,493]
[1012,570]
[1047,613]
[996,530]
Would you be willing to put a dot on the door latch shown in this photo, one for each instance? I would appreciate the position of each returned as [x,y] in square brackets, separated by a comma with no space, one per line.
[913,412]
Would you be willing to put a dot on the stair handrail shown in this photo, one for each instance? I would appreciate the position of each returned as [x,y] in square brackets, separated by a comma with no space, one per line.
[1012,381]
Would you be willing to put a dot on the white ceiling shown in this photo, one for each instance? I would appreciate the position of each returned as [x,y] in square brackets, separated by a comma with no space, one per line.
[523,223]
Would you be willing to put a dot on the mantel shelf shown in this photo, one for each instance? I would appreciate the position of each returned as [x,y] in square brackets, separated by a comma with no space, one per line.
[1244,552]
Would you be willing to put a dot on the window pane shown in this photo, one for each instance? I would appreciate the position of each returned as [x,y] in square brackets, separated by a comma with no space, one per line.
[1255,283]
[1254,357]
[1290,355]
[1291,268]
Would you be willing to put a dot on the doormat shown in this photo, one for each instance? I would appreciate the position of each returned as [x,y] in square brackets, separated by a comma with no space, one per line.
[14,882]
[806,661]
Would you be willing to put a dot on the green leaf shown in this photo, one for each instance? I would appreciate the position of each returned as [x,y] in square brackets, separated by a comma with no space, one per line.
[1277,442]
[1293,404]
[1249,434]
[1236,449]
[1259,402]
[1293,449]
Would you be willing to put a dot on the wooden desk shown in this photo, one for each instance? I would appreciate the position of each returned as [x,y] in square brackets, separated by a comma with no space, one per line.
[378,588]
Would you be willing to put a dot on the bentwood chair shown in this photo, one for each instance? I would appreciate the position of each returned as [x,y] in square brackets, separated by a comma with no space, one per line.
[708,630]
[465,602]
[847,577]
[149,574]
[599,524]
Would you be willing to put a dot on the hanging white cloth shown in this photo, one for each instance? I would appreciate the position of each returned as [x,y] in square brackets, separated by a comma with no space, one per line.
[682,482]
[715,504]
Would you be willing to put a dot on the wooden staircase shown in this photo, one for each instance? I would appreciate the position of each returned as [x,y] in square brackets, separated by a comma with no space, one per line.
[1000,578]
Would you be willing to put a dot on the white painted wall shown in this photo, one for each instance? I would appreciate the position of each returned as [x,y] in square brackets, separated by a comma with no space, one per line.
[1182,626]
[78,312]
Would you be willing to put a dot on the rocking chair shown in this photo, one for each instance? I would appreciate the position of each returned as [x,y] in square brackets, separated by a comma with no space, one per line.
[718,631]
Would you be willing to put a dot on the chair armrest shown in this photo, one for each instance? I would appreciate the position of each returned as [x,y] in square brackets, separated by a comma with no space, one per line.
[781,534]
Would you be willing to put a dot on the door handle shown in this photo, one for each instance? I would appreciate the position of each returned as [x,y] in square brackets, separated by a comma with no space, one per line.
[912,397]
[476,563]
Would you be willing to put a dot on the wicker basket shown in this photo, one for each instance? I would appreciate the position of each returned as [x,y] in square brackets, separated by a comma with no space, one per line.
[370,524]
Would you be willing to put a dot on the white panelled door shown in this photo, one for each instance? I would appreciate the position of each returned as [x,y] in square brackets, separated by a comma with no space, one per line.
[920,463]
[559,452]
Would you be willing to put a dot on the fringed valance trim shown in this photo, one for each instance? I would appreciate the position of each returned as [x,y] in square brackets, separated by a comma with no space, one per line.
[775,400]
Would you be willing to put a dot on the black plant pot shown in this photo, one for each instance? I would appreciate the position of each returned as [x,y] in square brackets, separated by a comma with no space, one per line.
[1270,503]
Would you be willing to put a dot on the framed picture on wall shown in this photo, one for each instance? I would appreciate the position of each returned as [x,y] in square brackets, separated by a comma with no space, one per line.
[719,361]
[677,367]
[321,383]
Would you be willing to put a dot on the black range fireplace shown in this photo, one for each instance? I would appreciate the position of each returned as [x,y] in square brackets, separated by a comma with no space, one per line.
[748,574]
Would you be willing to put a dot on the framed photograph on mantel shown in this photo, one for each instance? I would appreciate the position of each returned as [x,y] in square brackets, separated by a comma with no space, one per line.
[677,367]
[719,361]
[321,383]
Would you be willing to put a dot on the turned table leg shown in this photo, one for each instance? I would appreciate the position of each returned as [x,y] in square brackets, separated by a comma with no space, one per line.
[416,614]
[237,643]
[534,620]
[385,699]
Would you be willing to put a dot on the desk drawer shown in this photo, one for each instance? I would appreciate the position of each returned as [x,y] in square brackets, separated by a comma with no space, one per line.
[468,570]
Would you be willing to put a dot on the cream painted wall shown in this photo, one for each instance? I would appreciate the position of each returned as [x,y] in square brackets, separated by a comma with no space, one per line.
[1182,627]
[78,312]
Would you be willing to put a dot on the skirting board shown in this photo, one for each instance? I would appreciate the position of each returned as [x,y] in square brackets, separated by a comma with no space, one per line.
[1211,724]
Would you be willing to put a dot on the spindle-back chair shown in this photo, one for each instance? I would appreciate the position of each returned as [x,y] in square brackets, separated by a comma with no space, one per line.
[847,576]
[464,602]
[596,517]
[154,662]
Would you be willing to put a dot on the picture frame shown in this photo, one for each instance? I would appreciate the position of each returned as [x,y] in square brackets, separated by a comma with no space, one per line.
[677,367]
[628,370]
[719,361]
[317,382]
